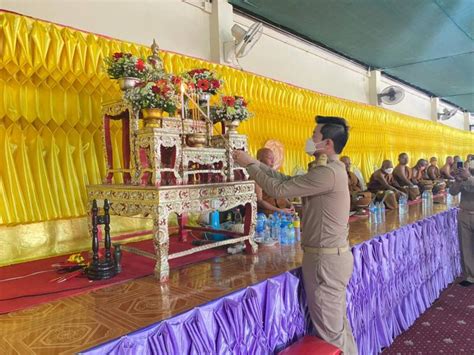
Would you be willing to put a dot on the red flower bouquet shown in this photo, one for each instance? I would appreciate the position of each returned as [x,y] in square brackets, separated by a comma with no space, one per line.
[233,108]
[203,81]
[162,94]
[125,65]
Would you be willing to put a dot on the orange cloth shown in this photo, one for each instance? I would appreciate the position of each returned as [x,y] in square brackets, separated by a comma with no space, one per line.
[276,202]
[379,181]
[433,172]
[402,175]
[354,183]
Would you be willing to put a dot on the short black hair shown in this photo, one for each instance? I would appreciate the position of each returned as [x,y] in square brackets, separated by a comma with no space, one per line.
[335,129]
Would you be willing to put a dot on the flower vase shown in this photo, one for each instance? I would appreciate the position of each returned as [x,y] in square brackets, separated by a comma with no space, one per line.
[231,126]
[196,140]
[152,117]
[128,83]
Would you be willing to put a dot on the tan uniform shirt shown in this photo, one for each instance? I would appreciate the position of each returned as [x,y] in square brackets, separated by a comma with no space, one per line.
[467,193]
[326,200]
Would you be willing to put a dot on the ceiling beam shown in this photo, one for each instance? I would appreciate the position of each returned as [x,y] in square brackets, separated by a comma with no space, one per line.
[427,60]
[443,10]
[467,93]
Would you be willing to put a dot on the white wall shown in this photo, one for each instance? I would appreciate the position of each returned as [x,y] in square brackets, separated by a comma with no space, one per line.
[291,60]
[415,103]
[183,26]
[176,25]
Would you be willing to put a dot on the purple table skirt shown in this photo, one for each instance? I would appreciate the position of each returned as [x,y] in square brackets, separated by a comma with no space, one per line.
[396,277]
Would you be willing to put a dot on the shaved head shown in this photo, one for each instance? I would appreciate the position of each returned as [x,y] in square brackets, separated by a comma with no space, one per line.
[403,158]
[266,156]
[347,162]
[387,164]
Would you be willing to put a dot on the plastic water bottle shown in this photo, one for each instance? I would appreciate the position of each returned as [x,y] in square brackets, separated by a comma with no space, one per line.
[372,213]
[291,234]
[260,227]
[425,201]
[275,229]
[269,226]
[297,226]
[215,224]
[379,212]
[382,212]
[401,207]
[283,233]
[449,199]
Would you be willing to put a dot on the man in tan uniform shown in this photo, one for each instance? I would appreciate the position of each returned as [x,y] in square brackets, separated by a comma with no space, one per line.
[266,203]
[464,184]
[402,176]
[382,184]
[359,198]
[327,261]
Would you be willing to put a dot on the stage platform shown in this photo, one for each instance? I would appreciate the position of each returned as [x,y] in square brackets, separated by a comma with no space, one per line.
[78,323]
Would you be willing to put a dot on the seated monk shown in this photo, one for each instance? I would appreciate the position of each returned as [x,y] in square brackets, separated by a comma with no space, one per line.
[402,177]
[382,184]
[447,168]
[359,198]
[468,160]
[265,203]
[418,176]
[433,173]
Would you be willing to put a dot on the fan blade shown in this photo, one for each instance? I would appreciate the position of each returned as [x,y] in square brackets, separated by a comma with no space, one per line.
[250,39]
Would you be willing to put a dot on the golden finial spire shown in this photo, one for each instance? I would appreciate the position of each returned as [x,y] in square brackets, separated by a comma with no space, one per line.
[155,59]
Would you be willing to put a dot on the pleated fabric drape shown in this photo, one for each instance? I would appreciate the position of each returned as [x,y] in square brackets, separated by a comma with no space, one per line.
[52,86]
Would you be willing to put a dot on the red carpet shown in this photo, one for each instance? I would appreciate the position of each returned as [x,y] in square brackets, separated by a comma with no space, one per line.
[445,328]
[33,290]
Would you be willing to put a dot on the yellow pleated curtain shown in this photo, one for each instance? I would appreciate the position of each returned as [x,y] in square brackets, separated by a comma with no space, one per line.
[52,85]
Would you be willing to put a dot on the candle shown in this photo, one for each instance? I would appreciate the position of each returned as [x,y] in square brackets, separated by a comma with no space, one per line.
[182,101]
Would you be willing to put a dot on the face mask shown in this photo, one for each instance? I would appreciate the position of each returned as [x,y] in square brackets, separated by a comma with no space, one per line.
[471,165]
[388,171]
[311,147]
